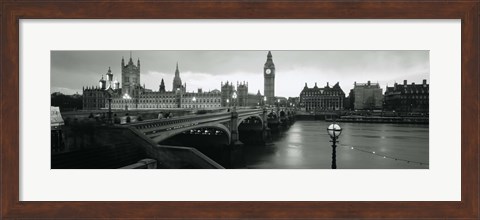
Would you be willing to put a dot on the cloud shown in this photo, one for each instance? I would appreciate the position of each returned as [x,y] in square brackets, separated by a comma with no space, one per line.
[207,69]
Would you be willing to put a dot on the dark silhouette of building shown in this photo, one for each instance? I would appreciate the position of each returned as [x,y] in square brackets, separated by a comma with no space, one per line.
[322,99]
[408,98]
[162,86]
[66,102]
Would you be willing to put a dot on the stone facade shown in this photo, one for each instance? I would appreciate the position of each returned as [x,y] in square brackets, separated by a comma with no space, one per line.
[227,91]
[366,96]
[202,100]
[133,96]
[408,97]
[243,98]
[322,99]
[130,77]
[95,97]
[242,92]
[253,100]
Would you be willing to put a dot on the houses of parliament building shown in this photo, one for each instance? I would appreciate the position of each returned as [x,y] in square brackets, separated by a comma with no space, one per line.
[131,95]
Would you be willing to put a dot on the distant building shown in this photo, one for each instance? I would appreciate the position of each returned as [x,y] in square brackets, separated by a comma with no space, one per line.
[366,96]
[152,100]
[281,101]
[243,98]
[242,92]
[95,97]
[408,97]
[254,99]
[66,102]
[227,91]
[202,100]
[138,97]
[322,99]
[131,95]
[293,101]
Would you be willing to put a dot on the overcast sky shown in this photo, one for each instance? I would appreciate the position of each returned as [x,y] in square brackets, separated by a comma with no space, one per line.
[206,69]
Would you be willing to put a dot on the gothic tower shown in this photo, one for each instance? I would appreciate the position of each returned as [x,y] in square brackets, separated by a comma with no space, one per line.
[162,86]
[177,82]
[269,79]
[227,92]
[242,93]
[130,76]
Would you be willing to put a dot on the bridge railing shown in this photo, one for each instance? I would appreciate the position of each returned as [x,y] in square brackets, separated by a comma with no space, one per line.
[191,118]
[174,157]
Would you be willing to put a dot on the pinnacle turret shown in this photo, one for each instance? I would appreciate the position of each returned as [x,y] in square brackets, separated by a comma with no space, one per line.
[177,81]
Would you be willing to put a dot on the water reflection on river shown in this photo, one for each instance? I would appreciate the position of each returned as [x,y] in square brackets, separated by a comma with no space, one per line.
[305,145]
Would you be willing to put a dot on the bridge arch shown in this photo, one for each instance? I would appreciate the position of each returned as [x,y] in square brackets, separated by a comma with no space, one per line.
[272,114]
[241,119]
[168,134]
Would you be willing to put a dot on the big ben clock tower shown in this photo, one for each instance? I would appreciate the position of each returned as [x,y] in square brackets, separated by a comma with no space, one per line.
[269,79]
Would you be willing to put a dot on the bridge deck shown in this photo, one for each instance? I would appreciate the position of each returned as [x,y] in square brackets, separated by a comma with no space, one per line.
[159,125]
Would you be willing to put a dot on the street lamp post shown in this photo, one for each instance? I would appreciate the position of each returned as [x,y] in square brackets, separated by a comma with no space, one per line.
[228,103]
[265,101]
[110,93]
[194,100]
[334,130]
[110,121]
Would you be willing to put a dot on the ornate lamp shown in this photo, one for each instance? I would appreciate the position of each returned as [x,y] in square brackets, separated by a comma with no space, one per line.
[334,130]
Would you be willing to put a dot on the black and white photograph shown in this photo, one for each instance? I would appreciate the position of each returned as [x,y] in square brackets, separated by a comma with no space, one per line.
[240,109]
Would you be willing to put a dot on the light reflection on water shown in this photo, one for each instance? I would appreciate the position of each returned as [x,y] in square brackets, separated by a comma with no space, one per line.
[305,145]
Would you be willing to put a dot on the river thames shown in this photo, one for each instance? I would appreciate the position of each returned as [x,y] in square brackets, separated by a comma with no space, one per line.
[305,145]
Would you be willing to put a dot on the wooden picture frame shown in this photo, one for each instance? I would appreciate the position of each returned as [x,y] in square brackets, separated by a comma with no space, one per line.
[12,11]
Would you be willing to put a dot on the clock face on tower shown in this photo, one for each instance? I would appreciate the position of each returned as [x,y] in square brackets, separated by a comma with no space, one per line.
[268,71]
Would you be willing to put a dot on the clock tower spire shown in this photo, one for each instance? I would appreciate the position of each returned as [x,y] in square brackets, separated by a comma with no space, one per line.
[269,79]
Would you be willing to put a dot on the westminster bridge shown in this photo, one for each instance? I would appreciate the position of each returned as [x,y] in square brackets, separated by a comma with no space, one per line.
[95,143]
[229,124]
